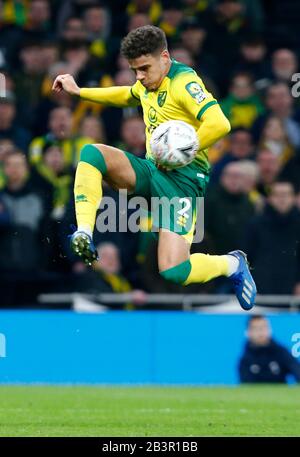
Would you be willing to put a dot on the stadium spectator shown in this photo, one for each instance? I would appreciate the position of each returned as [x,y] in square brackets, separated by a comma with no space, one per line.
[113,117]
[49,100]
[280,103]
[284,65]
[6,146]
[240,148]
[53,170]
[250,172]
[193,38]
[291,172]
[28,81]
[269,168]
[76,55]
[227,210]
[218,150]
[13,13]
[60,125]
[21,245]
[92,127]
[181,54]
[38,24]
[133,136]
[103,45]
[138,20]
[106,276]
[282,24]
[170,20]
[10,128]
[96,22]
[108,268]
[264,360]
[74,30]
[124,77]
[273,242]
[153,9]
[231,22]
[275,139]
[49,54]
[242,106]
[253,60]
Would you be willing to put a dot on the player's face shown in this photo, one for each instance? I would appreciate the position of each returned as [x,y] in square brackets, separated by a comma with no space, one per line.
[150,69]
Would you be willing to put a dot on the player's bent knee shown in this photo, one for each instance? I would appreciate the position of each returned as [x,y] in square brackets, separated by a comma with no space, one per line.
[177,274]
[92,155]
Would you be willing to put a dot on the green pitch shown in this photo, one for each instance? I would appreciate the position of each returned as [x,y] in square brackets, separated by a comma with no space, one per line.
[149,411]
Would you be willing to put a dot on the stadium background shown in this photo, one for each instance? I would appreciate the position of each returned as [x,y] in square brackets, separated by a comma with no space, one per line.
[246,52]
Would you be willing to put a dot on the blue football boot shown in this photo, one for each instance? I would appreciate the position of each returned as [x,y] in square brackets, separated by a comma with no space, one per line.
[82,245]
[243,283]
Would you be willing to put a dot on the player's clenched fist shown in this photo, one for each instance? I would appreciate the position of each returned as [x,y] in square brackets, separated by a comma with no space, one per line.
[66,83]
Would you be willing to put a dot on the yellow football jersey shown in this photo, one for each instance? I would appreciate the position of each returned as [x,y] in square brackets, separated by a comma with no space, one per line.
[181,96]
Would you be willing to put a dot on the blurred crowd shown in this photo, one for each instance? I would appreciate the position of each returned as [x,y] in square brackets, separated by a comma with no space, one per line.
[246,52]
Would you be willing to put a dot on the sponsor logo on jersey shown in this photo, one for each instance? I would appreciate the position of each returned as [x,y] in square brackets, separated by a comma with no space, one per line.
[196,91]
[152,115]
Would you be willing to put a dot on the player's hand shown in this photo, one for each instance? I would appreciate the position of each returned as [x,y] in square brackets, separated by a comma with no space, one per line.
[66,83]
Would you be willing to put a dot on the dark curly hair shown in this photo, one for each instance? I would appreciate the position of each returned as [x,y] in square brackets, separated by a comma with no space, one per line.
[143,40]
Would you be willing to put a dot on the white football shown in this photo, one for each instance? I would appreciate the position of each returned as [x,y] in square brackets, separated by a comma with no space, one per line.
[174,144]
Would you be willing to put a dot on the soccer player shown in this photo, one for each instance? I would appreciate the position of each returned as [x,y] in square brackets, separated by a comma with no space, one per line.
[166,90]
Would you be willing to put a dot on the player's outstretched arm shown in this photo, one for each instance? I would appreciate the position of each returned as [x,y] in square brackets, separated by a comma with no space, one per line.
[214,125]
[120,96]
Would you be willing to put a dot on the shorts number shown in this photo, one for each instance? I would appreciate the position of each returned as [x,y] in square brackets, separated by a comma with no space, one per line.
[184,211]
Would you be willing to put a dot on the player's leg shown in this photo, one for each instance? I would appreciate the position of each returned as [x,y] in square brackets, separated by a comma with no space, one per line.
[174,259]
[96,162]
[176,264]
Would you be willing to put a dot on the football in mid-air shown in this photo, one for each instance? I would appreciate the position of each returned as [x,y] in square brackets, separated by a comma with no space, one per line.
[174,144]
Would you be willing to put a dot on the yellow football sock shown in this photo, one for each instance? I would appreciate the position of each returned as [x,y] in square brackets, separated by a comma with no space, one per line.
[205,267]
[88,194]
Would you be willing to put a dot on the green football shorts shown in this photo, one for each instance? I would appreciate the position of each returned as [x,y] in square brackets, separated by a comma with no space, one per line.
[172,196]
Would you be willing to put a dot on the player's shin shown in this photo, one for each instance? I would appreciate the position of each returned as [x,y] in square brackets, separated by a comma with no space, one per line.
[88,187]
[205,267]
[199,268]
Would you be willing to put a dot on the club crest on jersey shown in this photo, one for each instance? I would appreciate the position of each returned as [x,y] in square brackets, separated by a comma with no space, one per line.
[161,98]
[196,91]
